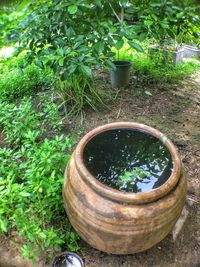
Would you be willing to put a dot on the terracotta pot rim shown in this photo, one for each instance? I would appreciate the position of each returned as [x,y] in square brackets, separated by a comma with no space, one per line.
[114,194]
[69,253]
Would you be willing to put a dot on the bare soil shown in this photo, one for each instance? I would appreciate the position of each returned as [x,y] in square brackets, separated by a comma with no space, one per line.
[176,112]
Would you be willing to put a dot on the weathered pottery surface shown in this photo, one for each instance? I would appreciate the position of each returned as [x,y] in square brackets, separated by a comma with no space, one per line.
[120,222]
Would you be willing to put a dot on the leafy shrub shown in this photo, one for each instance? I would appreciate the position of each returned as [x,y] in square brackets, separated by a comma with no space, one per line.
[7,20]
[168,22]
[14,85]
[156,69]
[31,177]
[73,38]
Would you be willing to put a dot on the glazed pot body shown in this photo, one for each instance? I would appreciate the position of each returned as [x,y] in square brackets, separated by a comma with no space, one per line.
[118,222]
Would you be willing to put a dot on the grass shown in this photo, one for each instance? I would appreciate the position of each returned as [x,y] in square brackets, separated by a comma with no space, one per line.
[74,94]
[155,70]
[79,92]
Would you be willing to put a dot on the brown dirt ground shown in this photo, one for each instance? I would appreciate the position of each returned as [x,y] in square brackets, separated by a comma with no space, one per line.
[177,113]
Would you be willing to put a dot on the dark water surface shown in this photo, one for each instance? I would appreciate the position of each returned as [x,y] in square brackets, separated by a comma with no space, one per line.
[114,155]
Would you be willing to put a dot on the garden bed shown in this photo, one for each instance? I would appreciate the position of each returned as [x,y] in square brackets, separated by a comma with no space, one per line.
[177,113]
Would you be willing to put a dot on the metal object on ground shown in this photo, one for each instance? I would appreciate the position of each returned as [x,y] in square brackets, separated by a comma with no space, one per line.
[67,259]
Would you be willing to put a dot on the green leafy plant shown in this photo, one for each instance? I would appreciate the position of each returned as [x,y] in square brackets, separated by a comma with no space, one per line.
[13,85]
[73,39]
[60,34]
[31,177]
[167,22]
[11,12]
[126,35]
[50,112]
[7,20]
[153,70]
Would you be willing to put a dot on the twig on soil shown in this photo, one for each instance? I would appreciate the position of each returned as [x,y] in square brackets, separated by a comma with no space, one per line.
[191,152]
[194,200]
[116,95]
[82,118]
[120,107]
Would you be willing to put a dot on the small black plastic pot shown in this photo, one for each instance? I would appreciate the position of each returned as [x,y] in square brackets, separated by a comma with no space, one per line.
[67,259]
[120,77]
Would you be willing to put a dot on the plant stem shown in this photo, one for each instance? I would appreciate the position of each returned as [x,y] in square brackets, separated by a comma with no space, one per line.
[115,13]
[122,15]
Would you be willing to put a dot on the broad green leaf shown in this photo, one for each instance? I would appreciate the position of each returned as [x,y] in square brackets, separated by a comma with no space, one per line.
[72,69]
[110,54]
[148,23]
[42,235]
[67,50]
[24,194]
[119,44]
[179,15]
[113,29]
[86,70]
[61,62]
[47,243]
[164,24]
[142,36]
[135,46]
[60,52]
[156,4]
[136,28]
[20,71]
[4,225]
[98,3]
[111,64]
[72,9]
[39,63]
[124,3]
[99,47]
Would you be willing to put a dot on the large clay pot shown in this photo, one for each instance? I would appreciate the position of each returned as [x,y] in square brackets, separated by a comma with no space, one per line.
[118,222]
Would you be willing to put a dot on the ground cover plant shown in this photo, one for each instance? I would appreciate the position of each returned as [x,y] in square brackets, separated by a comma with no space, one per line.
[14,85]
[156,69]
[31,177]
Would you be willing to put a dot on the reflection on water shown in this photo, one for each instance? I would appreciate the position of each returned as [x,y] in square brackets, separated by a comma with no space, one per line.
[111,154]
